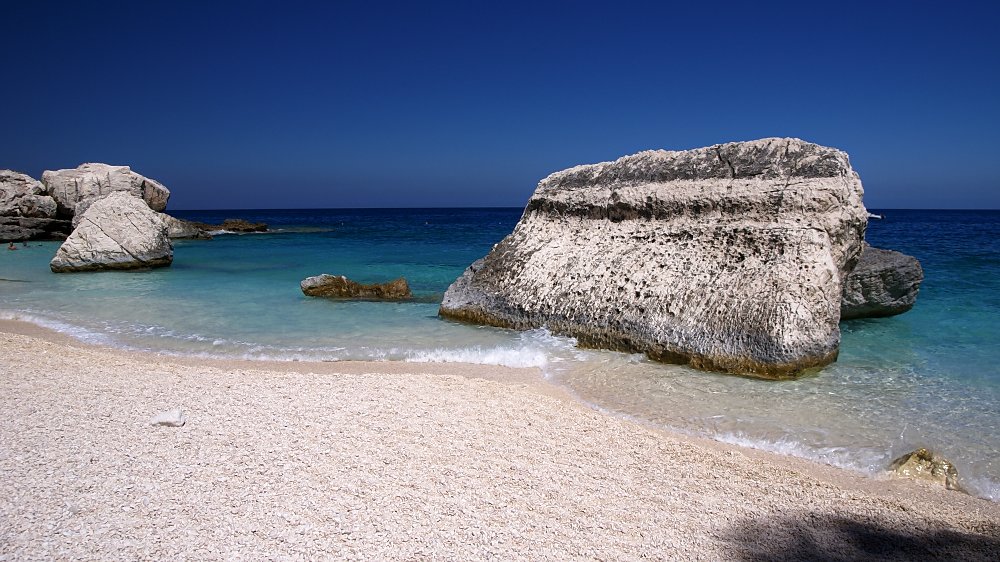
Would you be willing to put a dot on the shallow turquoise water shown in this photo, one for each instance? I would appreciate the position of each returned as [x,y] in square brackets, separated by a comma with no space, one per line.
[929,377]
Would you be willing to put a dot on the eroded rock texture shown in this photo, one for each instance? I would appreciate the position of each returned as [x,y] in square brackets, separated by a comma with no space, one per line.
[118,231]
[340,287]
[74,190]
[727,258]
[927,465]
[884,283]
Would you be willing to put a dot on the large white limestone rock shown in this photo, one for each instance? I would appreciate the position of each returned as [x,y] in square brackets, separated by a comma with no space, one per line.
[76,189]
[118,231]
[727,258]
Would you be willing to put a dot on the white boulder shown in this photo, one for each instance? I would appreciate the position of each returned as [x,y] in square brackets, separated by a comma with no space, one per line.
[117,232]
[727,258]
[75,189]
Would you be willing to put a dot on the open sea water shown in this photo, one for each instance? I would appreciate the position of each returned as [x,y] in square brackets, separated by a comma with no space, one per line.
[930,377]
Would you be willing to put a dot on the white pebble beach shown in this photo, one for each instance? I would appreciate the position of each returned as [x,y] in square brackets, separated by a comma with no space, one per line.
[409,461]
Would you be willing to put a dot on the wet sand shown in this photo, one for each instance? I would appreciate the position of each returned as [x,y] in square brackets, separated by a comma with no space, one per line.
[408,461]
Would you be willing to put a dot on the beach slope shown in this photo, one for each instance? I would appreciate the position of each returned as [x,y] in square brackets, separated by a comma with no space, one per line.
[408,461]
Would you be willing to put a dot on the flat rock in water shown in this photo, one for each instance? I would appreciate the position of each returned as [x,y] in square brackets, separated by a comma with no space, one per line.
[178,228]
[728,258]
[231,225]
[884,283]
[340,287]
[117,232]
[170,418]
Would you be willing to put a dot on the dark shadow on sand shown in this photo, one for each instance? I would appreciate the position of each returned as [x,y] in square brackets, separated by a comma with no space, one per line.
[824,538]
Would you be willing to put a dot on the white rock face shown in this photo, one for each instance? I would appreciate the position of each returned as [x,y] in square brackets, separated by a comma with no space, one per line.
[23,196]
[117,232]
[26,213]
[726,258]
[89,182]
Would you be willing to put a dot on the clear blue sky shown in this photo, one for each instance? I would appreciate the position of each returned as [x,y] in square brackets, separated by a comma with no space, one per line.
[384,104]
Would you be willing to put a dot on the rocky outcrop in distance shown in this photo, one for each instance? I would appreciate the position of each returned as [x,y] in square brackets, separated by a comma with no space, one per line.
[76,189]
[26,212]
[727,258]
[179,228]
[340,287]
[118,231]
[884,283]
[232,225]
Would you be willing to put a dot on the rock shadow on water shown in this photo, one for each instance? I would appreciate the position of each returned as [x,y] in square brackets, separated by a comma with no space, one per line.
[829,538]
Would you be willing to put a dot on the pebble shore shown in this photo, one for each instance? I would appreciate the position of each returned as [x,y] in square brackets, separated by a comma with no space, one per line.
[366,461]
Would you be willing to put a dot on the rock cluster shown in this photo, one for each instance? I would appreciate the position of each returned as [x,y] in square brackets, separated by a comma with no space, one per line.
[884,283]
[726,258]
[340,287]
[118,231]
[26,212]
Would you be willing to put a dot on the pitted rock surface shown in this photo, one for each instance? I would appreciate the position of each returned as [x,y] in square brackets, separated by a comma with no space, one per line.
[726,258]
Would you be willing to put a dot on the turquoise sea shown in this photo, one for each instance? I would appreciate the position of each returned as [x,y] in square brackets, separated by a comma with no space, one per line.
[930,377]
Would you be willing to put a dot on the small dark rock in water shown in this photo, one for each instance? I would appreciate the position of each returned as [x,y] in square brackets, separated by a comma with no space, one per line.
[340,287]
[884,283]
[240,225]
[926,465]
[232,225]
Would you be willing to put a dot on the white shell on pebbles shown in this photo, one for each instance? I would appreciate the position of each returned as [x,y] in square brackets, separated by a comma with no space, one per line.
[170,418]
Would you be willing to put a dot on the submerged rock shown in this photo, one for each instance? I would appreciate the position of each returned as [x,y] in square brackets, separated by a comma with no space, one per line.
[117,232]
[340,287]
[74,190]
[926,465]
[884,283]
[727,258]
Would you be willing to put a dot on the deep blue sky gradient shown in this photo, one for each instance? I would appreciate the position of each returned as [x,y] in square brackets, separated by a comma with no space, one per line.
[384,104]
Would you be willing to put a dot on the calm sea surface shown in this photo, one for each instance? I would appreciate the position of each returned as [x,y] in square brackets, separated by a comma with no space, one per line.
[930,377]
